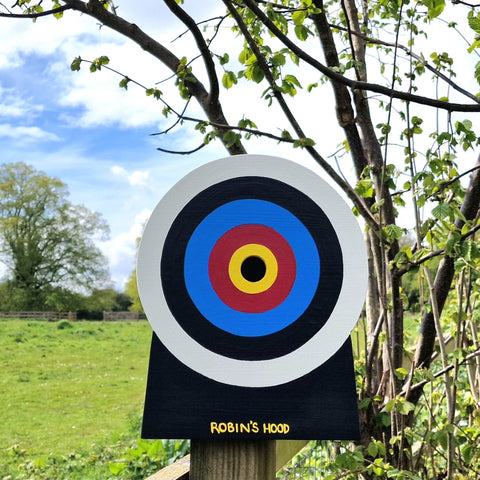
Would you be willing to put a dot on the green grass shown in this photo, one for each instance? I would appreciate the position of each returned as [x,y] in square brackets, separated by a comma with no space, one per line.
[65,386]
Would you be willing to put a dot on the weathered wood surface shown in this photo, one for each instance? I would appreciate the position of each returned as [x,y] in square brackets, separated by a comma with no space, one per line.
[177,471]
[232,460]
[116,316]
[47,315]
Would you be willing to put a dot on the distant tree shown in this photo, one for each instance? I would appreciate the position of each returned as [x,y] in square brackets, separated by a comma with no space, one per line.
[131,290]
[61,300]
[107,300]
[101,300]
[46,242]
[122,302]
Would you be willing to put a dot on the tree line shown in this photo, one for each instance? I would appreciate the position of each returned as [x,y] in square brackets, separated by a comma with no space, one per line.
[49,248]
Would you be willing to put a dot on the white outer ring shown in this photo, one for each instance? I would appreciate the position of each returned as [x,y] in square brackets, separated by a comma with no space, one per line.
[253,373]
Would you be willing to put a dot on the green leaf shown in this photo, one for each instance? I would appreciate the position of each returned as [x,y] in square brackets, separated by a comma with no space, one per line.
[155,92]
[229,79]
[435,7]
[470,251]
[278,60]
[231,138]
[372,449]
[390,405]
[452,242]
[365,188]
[299,16]
[303,142]
[98,63]
[292,79]
[474,23]
[124,83]
[183,63]
[363,404]
[252,59]
[348,460]
[286,135]
[75,66]
[246,123]
[255,73]
[242,58]
[224,59]
[116,468]
[301,32]
[441,211]
[467,452]
[401,373]
[392,232]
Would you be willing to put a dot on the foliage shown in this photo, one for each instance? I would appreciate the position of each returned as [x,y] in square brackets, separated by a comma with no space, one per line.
[131,290]
[88,307]
[147,457]
[47,244]
[130,458]
[406,111]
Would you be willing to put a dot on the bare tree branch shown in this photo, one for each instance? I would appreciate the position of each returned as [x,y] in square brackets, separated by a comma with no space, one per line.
[213,110]
[421,384]
[355,84]
[178,152]
[192,26]
[408,51]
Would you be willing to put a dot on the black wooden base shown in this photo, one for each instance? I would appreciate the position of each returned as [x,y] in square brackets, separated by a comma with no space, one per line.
[181,403]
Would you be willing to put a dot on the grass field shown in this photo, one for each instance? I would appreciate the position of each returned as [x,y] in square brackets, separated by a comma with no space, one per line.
[67,385]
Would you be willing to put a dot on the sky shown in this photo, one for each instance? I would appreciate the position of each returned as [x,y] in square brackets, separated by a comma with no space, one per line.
[83,129]
[97,138]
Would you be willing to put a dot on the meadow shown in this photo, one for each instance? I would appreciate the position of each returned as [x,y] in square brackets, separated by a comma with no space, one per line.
[71,399]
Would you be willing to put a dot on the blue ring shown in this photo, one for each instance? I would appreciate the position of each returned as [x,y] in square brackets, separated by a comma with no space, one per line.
[201,243]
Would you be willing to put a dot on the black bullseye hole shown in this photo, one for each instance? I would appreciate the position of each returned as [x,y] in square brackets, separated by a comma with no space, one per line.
[253,269]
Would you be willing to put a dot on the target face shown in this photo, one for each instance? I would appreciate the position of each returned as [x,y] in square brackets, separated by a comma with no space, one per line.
[252,270]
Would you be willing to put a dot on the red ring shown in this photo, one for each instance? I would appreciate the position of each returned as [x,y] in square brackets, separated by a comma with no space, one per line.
[220,257]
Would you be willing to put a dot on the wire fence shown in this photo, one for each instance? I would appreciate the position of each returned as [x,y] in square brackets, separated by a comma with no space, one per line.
[311,463]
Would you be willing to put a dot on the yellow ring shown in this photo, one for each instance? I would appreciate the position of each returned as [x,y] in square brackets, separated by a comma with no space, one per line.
[253,250]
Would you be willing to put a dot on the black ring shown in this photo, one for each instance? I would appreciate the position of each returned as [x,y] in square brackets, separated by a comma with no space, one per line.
[300,331]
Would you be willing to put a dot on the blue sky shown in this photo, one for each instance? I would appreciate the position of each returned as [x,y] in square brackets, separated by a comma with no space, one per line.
[83,129]
[96,137]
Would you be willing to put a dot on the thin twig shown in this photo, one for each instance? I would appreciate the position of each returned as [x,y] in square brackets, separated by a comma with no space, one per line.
[178,152]
[45,13]
[408,51]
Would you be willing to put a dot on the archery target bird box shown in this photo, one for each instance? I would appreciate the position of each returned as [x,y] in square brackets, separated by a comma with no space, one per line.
[252,272]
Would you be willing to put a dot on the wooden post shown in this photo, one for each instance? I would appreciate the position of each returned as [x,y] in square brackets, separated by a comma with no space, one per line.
[232,460]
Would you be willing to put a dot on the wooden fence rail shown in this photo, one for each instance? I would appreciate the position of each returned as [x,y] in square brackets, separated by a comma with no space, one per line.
[46,315]
[107,316]
[115,316]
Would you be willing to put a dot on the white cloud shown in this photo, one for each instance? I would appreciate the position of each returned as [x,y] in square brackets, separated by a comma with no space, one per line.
[120,171]
[26,133]
[138,178]
[12,105]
